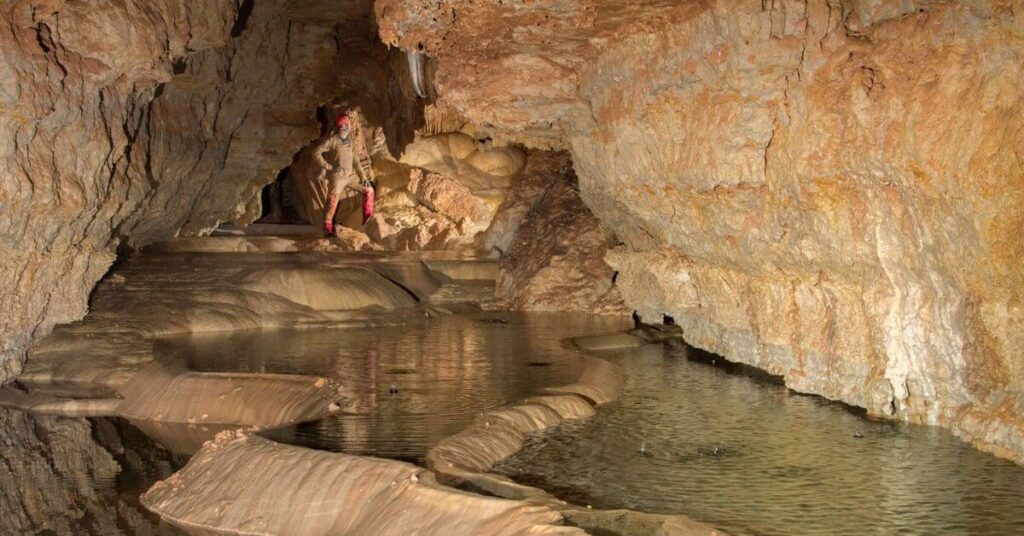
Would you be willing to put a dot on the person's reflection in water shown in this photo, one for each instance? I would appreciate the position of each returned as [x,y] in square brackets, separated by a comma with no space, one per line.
[372,376]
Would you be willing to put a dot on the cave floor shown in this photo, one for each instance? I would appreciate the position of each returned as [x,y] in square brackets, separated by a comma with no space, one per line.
[201,347]
[283,388]
[181,287]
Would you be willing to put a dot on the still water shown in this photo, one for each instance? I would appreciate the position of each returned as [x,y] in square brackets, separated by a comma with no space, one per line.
[405,386]
[741,452]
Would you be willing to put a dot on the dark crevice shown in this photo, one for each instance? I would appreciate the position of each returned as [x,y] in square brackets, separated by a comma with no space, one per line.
[244,12]
[399,285]
[692,353]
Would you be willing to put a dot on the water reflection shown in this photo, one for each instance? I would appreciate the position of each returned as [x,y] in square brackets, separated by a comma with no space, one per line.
[747,455]
[63,475]
[404,387]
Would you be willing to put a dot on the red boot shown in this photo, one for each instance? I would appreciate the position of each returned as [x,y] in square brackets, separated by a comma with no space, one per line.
[368,196]
[328,228]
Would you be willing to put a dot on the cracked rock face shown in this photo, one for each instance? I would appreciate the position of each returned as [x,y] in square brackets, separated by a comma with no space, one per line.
[128,123]
[554,246]
[831,191]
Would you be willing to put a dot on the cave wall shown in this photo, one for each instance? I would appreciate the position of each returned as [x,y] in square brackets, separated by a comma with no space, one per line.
[552,246]
[76,82]
[124,123]
[828,190]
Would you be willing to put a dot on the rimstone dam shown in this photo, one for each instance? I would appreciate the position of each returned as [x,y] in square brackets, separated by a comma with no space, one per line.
[511,267]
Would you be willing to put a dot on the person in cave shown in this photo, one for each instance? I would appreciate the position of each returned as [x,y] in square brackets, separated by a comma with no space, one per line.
[336,158]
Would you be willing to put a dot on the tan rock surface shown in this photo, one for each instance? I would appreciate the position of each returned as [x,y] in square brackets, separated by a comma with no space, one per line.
[482,168]
[168,394]
[156,295]
[826,191]
[447,196]
[328,290]
[306,492]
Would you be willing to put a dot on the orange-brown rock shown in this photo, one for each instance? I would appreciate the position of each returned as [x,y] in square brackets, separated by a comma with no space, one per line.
[76,81]
[556,260]
[829,191]
[447,196]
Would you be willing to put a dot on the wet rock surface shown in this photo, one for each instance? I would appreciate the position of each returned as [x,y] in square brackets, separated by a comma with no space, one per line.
[185,409]
[310,492]
[826,191]
[60,475]
[157,295]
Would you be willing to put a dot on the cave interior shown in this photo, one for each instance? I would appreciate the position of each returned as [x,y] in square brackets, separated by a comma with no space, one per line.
[805,214]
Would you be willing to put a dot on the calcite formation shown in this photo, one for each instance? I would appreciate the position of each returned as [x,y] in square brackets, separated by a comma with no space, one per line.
[307,492]
[440,194]
[556,247]
[159,295]
[828,190]
[124,123]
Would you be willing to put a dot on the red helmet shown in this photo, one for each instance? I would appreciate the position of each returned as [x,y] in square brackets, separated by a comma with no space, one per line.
[341,120]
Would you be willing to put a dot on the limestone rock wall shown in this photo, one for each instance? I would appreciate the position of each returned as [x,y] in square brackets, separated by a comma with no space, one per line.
[129,122]
[553,245]
[76,82]
[829,190]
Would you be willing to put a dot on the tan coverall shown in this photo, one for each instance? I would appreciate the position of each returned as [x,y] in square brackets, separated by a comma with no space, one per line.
[336,157]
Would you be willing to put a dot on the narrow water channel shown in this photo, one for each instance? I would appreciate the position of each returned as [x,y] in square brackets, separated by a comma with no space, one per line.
[741,452]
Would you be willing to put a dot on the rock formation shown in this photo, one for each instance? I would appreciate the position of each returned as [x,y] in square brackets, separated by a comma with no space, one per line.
[307,492]
[129,122]
[554,245]
[77,81]
[830,191]
[441,194]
